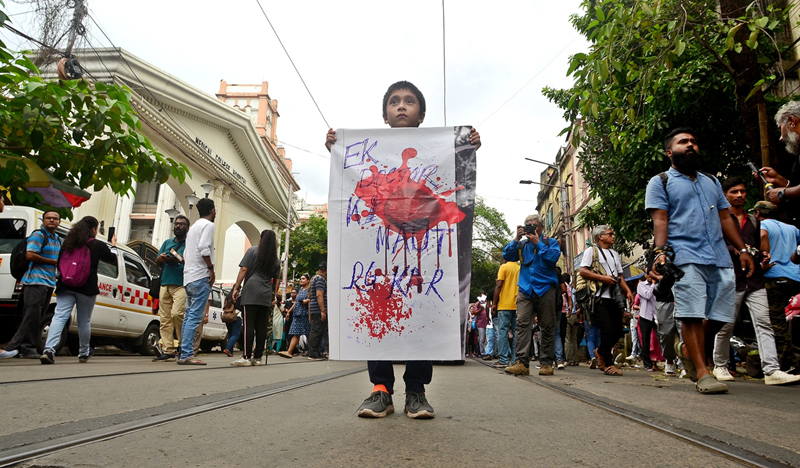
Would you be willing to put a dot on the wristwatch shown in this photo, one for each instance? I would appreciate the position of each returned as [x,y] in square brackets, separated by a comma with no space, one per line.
[744,250]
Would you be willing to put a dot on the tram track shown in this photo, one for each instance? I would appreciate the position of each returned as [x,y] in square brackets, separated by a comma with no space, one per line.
[21,454]
[717,447]
[138,373]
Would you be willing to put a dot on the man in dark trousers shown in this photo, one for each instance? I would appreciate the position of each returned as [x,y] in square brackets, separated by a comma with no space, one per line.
[318,312]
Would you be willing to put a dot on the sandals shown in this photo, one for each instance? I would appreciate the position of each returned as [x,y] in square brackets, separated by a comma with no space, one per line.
[601,363]
[688,365]
[709,385]
[612,370]
[192,361]
[285,354]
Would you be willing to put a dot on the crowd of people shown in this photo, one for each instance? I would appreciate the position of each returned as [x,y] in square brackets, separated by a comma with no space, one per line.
[709,258]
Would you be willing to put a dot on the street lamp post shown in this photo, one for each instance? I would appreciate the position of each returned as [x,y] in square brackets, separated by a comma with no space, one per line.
[564,215]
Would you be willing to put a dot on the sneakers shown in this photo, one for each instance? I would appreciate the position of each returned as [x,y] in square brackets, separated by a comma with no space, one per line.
[417,406]
[241,362]
[377,405]
[8,354]
[518,368]
[499,365]
[48,357]
[316,358]
[166,357]
[669,369]
[722,374]
[285,354]
[85,357]
[561,366]
[256,362]
[781,378]
[227,352]
[547,369]
[632,357]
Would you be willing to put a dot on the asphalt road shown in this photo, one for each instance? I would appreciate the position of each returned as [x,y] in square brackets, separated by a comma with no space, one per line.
[299,413]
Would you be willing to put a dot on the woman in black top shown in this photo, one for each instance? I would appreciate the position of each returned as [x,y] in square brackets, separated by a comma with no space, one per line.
[259,270]
[82,297]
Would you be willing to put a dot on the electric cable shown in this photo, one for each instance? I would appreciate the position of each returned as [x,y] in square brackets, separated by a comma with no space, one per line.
[444,64]
[293,65]
[303,149]
[529,81]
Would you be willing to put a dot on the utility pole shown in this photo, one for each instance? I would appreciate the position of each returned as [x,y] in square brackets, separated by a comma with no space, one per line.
[286,243]
[77,27]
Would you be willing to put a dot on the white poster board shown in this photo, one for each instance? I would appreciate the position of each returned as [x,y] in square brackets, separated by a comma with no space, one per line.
[399,232]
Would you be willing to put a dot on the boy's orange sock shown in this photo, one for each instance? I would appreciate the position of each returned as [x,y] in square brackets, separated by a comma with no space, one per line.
[380,388]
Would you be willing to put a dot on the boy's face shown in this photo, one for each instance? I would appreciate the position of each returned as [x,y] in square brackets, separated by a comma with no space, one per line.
[402,109]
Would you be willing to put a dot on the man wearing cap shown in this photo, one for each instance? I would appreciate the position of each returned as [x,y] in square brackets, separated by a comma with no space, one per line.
[782,279]
[318,311]
[690,217]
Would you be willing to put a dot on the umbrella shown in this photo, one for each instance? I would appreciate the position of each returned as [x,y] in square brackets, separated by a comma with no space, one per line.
[630,273]
[55,192]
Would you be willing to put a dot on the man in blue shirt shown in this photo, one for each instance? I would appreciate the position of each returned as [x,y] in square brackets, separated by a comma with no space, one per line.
[38,284]
[172,295]
[690,215]
[781,279]
[538,286]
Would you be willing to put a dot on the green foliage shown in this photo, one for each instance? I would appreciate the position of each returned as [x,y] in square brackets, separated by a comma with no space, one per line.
[86,133]
[654,66]
[490,233]
[308,245]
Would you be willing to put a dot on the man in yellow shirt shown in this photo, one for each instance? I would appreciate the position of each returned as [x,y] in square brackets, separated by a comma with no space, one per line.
[505,307]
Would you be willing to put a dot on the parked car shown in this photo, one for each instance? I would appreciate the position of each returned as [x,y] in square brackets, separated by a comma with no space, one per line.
[122,314]
[215,331]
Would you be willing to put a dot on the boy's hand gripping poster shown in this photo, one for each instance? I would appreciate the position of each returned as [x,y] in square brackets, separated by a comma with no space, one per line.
[400,213]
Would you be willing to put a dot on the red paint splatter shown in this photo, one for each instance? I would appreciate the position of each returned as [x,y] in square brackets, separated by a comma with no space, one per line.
[364,213]
[405,206]
[355,217]
[380,310]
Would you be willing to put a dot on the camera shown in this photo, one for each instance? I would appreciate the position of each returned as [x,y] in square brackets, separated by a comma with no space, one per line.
[529,229]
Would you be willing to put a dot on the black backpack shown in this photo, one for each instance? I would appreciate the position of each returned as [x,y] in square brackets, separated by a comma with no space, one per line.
[19,261]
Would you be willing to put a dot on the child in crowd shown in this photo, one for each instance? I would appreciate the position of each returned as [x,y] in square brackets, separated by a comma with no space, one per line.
[403,106]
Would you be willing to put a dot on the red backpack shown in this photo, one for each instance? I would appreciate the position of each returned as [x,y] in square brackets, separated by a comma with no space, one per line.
[75,266]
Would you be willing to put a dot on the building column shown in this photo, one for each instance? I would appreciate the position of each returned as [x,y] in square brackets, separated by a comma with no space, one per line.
[222,198]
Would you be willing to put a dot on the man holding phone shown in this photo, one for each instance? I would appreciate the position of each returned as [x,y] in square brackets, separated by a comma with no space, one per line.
[172,295]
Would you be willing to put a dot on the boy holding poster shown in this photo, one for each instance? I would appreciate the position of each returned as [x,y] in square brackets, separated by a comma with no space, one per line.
[403,106]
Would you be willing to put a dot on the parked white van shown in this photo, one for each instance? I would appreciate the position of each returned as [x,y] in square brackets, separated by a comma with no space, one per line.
[122,315]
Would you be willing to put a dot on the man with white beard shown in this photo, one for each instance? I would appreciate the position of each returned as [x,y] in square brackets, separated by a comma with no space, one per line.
[786,191]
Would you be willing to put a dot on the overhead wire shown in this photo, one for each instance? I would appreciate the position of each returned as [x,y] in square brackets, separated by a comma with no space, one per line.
[529,81]
[293,65]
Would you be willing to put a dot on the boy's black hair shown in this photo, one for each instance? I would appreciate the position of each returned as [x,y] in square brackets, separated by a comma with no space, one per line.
[731,182]
[404,85]
[671,135]
[204,206]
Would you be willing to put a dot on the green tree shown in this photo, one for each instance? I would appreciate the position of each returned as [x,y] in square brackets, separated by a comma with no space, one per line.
[86,133]
[490,233]
[308,245]
[653,66]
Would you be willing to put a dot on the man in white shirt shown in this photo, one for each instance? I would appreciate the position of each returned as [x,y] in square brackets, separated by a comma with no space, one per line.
[198,277]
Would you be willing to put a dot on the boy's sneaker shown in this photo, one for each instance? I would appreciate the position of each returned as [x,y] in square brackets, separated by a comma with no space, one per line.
[669,369]
[8,354]
[85,357]
[256,362]
[377,405]
[722,374]
[165,357]
[561,366]
[47,357]
[241,362]
[518,368]
[417,406]
[781,378]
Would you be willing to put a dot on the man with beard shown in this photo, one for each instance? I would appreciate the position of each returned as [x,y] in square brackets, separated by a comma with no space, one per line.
[172,295]
[787,192]
[691,217]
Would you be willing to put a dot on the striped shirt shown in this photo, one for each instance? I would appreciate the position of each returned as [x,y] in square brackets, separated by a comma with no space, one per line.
[39,274]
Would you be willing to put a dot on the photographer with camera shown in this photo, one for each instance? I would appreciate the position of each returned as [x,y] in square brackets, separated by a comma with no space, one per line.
[690,215]
[538,286]
[782,281]
[610,306]
[172,295]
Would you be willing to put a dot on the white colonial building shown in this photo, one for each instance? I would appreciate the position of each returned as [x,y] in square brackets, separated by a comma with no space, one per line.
[231,152]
